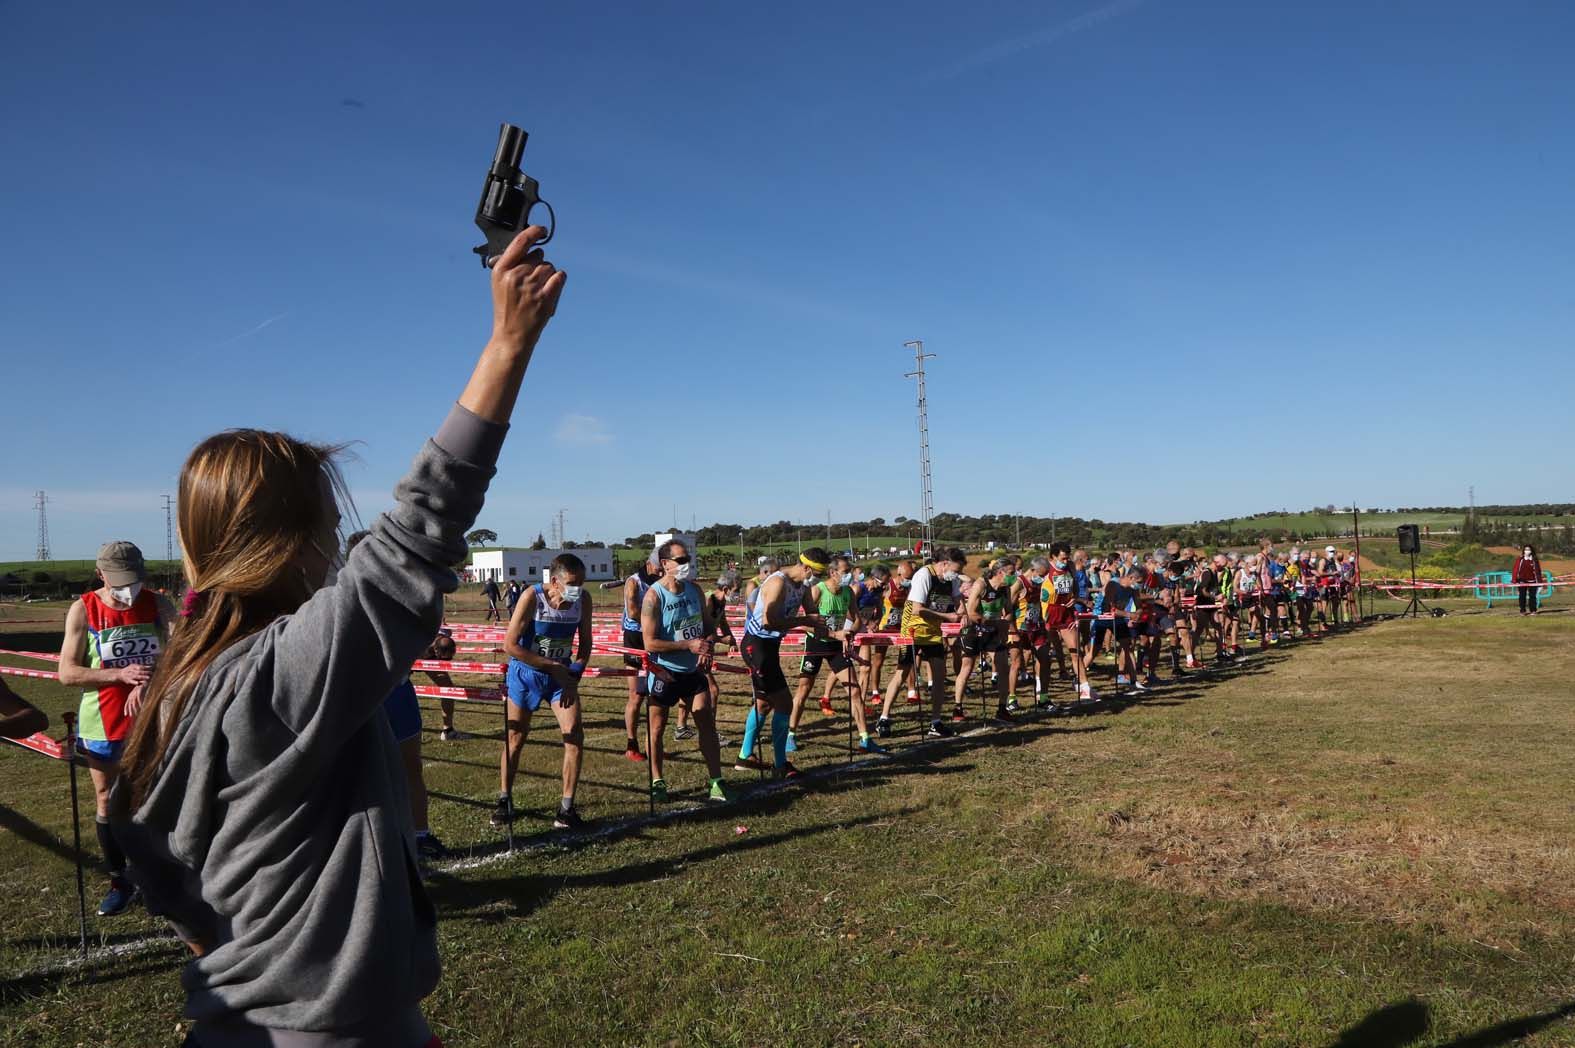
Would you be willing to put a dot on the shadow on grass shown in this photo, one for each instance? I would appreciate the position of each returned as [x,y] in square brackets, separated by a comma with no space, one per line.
[26,829]
[525,893]
[98,970]
[1406,1021]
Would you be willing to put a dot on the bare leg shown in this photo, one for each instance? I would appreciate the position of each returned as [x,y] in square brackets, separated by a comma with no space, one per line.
[656,715]
[569,724]
[518,730]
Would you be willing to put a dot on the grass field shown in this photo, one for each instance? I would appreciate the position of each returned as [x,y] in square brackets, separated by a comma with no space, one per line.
[1360,840]
[1376,524]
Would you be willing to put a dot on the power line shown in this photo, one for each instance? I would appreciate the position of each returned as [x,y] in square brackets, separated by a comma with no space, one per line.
[926,495]
[40,501]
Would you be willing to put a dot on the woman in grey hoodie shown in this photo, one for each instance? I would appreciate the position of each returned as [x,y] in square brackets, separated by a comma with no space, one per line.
[270,819]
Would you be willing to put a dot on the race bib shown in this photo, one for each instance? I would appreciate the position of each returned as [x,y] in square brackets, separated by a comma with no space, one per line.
[555,648]
[690,628]
[120,646]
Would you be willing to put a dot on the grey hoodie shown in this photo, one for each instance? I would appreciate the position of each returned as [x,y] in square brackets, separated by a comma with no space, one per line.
[278,829]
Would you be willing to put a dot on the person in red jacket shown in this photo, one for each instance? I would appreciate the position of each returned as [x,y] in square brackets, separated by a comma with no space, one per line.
[1527,576]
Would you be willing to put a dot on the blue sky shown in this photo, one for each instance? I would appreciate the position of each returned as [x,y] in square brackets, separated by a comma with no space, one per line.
[1177,260]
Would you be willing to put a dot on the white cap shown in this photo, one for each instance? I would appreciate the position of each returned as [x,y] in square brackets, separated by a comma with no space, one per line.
[1328,549]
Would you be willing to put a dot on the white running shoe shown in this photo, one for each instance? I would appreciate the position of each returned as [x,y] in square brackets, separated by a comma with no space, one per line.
[1086,693]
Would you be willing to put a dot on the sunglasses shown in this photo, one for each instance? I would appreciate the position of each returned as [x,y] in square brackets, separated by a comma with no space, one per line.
[680,560]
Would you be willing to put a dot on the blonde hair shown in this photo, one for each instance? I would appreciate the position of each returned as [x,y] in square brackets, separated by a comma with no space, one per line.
[250,501]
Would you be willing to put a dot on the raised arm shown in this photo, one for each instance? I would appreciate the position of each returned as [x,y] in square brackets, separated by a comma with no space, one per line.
[334,659]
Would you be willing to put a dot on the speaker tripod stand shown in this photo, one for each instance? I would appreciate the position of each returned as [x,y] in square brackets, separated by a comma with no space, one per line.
[1414,605]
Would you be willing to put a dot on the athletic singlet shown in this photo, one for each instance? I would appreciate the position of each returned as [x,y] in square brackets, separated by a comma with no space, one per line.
[1057,588]
[942,597]
[644,582]
[679,618]
[868,596]
[116,638]
[836,607]
[1023,605]
[992,601]
[755,620]
[891,603]
[551,631]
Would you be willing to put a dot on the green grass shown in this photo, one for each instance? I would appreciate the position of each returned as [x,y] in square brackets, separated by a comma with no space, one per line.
[1377,524]
[1263,857]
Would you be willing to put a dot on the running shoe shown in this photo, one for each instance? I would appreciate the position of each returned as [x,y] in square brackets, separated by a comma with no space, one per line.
[685,732]
[454,735]
[1138,685]
[719,793]
[1151,680]
[502,812]
[1122,680]
[429,848]
[939,730]
[1012,706]
[633,753]
[1042,703]
[913,697]
[568,820]
[826,708]
[959,714]
[1003,714]
[750,764]
[792,743]
[883,727]
[119,898]
[871,746]
[1087,694]
[1192,663]
[659,791]
[787,772]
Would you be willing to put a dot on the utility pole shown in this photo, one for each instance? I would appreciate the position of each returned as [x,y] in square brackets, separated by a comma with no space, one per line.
[169,528]
[1018,520]
[926,495]
[563,535]
[740,547]
[1471,498]
[40,501]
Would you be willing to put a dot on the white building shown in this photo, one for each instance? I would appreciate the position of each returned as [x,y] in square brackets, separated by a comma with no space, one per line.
[530,565]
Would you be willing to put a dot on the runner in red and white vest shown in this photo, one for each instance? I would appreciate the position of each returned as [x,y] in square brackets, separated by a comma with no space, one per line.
[113,637]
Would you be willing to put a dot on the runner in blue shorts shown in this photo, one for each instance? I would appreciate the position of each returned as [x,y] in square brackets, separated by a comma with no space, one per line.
[549,643]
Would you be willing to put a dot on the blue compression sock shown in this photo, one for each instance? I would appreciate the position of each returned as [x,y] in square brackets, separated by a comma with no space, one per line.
[751,733]
[779,737]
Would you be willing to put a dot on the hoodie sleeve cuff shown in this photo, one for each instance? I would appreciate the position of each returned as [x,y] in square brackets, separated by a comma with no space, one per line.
[471,438]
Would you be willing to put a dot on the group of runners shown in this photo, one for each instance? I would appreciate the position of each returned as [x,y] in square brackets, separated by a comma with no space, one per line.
[1026,629]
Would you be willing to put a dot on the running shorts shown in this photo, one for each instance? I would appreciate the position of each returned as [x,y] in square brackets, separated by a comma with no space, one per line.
[528,687]
[980,640]
[404,712]
[763,656]
[667,688]
[631,639]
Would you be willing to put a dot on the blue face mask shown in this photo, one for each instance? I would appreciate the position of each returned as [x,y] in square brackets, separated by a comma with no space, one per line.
[847,578]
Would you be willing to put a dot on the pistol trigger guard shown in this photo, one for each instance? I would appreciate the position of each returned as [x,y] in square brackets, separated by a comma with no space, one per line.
[552,221]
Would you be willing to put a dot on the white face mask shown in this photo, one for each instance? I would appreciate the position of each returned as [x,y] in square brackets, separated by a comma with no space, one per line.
[847,578]
[685,572]
[570,593]
[950,576]
[126,594]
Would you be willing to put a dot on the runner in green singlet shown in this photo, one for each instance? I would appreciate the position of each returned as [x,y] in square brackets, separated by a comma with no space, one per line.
[833,601]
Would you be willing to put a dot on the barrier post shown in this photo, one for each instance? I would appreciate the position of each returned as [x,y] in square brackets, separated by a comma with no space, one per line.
[76,829]
[508,805]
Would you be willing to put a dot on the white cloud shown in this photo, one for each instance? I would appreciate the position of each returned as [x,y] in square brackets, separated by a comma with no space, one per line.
[582,429]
